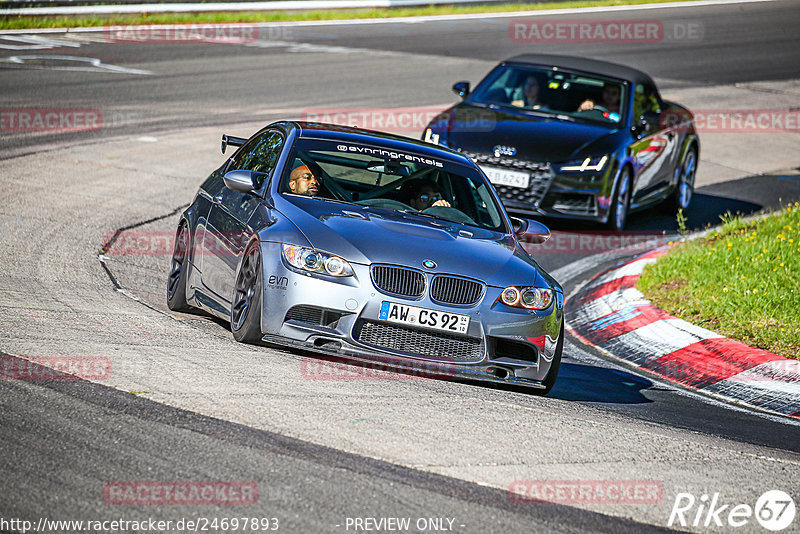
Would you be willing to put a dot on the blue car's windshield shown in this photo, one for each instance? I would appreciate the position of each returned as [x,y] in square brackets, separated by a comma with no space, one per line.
[389,179]
[556,92]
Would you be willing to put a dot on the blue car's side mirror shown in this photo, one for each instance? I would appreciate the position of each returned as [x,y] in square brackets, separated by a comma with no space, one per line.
[461,89]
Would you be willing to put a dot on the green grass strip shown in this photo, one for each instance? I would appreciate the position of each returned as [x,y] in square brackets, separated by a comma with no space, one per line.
[47,21]
[742,281]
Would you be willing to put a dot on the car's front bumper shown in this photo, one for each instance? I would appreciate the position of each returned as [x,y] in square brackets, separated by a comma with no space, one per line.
[550,193]
[502,344]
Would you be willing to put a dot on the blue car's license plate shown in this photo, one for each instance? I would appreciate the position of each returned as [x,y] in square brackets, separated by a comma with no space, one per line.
[423,317]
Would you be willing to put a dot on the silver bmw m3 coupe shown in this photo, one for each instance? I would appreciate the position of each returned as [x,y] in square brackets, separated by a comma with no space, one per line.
[370,247]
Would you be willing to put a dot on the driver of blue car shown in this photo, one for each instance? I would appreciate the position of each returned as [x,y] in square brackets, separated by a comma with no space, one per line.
[608,104]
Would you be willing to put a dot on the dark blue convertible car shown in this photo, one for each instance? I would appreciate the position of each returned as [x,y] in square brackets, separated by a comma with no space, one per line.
[573,138]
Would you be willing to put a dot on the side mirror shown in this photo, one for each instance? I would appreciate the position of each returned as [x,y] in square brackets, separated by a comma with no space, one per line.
[461,89]
[529,231]
[649,121]
[242,181]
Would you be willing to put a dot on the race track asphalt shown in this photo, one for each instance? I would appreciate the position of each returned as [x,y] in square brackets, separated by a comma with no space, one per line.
[206,408]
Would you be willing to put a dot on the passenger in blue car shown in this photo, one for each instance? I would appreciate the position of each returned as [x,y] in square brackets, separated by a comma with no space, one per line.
[528,96]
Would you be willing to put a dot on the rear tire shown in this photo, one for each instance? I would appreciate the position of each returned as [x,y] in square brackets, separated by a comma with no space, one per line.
[176,281]
[618,214]
[681,198]
[246,302]
[550,380]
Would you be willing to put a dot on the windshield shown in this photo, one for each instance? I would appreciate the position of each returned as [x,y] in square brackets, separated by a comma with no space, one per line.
[556,92]
[383,178]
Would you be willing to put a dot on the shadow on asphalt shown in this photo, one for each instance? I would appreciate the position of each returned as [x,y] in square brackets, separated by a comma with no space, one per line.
[586,383]
[744,196]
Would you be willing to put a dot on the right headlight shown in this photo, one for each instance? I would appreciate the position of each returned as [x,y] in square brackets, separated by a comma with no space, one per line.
[531,298]
[595,164]
[315,261]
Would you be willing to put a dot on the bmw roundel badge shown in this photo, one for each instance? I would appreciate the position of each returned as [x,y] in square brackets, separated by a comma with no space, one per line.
[429,264]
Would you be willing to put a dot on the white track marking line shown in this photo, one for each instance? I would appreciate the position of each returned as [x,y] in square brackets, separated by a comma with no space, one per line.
[92,64]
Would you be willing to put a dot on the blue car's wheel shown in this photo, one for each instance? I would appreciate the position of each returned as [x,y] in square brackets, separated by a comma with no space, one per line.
[618,213]
[246,303]
[681,197]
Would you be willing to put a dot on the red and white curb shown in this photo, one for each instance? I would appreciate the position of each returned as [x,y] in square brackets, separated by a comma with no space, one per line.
[612,315]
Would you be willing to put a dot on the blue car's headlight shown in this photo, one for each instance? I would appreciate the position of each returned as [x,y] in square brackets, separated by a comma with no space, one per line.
[431,137]
[434,138]
[595,164]
[531,298]
[315,261]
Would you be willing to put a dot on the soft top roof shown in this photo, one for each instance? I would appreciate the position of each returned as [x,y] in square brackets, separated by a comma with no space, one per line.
[597,66]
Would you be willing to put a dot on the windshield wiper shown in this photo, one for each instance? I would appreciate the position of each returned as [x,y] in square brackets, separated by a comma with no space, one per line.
[430,216]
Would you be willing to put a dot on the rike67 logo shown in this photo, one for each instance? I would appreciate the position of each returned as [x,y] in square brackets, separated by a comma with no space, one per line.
[774,510]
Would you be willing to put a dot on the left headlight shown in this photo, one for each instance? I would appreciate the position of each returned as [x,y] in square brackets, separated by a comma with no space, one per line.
[315,261]
[532,298]
[595,164]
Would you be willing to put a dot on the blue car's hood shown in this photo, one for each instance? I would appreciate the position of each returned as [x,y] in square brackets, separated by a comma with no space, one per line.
[536,137]
[371,235]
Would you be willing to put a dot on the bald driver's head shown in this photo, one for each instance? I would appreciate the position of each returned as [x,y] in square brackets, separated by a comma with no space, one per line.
[303,182]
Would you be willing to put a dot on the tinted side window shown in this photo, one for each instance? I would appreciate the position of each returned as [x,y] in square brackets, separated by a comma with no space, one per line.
[259,155]
[645,99]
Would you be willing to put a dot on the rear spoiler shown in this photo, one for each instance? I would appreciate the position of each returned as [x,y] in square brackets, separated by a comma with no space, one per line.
[229,140]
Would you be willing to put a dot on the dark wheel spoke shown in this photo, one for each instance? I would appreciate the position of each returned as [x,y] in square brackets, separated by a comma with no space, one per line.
[178,270]
[245,288]
[178,259]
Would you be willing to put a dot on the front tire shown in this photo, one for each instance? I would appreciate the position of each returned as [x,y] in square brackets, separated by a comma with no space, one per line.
[618,213]
[550,380]
[246,302]
[176,281]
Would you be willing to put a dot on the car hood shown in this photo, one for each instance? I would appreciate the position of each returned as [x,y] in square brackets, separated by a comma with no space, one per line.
[371,235]
[536,137]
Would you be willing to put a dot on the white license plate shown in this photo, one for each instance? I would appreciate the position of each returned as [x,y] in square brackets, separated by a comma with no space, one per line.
[509,178]
[434,319]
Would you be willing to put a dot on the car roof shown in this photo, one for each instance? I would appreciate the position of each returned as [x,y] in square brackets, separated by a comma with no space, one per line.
[589,65]
[351,134]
